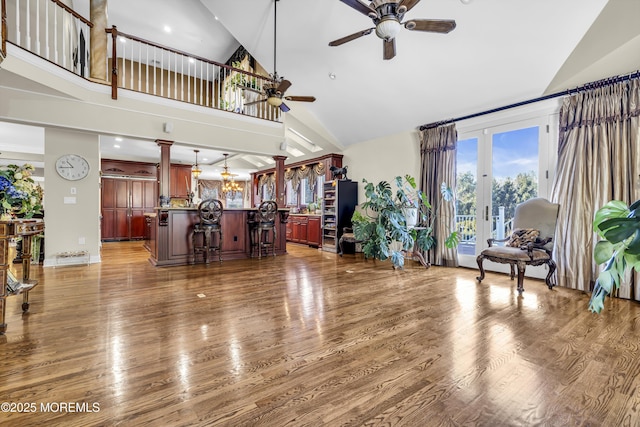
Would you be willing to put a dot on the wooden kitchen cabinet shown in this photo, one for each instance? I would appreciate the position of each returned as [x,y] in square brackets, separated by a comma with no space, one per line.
[314,231]
[304,229]
[124,203]
[180,181]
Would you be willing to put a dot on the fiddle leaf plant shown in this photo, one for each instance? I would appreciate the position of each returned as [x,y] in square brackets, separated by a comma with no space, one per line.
[619,227]
[381,222]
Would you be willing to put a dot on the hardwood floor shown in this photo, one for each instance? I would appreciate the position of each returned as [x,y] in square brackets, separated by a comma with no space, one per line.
[312,339]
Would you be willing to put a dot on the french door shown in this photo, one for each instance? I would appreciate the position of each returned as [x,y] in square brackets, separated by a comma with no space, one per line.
[498,168]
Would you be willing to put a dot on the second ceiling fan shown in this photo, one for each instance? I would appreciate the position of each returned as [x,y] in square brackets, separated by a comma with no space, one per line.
[274,92]
[387,17]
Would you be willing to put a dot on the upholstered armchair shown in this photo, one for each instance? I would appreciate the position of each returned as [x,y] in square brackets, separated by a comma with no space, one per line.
[531,242]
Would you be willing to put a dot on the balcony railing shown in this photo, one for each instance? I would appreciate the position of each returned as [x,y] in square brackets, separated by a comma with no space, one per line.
[53,31]
[49,29]
[143,66]
[501,227]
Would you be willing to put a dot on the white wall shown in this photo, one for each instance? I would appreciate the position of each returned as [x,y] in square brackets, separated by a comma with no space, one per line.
[383,159]
[66,225]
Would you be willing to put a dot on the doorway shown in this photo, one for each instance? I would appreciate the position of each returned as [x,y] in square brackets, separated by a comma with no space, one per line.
[498,168]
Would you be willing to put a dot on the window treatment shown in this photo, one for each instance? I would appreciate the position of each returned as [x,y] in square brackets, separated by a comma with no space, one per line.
[295,175]
[598,161]
[438,165]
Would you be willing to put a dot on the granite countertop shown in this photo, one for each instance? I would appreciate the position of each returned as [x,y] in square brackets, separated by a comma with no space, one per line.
[195,208]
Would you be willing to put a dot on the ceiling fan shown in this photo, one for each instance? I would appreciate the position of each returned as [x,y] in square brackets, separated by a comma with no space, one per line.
[274,92]
[387,17]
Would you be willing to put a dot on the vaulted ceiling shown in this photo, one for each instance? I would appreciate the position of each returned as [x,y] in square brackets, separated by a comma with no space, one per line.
[501,52]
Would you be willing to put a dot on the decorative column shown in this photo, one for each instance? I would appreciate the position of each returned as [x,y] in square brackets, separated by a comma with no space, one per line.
[98,16]
[280,179]
[164,170]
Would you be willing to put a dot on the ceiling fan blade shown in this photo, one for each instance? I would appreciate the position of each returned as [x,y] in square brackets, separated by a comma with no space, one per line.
[431,25]
[389,48]
[283,86]
[300,98]
[360,7]
[284,108]
[351,37]
[255,102]
[408,4]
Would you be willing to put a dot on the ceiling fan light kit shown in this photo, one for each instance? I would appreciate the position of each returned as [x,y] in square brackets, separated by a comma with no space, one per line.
[387,17]
[388,29]
[274,101]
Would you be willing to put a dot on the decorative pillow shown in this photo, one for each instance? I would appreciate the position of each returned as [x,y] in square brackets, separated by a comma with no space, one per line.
[522,236]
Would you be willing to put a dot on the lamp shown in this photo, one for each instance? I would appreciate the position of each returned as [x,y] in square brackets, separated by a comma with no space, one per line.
[195,169]
[388,28]
[229,186]
[274,101]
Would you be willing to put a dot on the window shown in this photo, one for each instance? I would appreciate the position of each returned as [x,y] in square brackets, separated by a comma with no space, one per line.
[234,201]
[292,196]
[305,194]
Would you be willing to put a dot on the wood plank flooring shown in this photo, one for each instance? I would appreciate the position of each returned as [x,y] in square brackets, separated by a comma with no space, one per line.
[311,339]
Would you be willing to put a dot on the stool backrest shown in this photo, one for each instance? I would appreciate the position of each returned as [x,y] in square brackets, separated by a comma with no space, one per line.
[267,211]
[210,211]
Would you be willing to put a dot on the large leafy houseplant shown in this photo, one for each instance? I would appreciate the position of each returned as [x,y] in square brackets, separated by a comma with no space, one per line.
[381,224]
[619,227]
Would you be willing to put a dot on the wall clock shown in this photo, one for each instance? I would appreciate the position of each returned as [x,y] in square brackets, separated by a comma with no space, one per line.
[72,167]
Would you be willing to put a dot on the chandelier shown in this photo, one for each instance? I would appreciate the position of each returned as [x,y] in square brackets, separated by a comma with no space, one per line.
[195,169]
[229,186]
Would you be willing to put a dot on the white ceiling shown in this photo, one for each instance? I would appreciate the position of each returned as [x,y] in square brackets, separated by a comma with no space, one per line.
[501,52]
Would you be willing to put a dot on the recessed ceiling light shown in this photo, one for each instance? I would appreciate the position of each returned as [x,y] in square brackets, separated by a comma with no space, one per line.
[332,76]
[118,139]
[167,29]
[116,146]
[122,39]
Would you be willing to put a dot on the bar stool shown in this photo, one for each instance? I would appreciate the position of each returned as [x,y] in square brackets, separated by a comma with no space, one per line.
[252,225]
[263,223]
[210,212]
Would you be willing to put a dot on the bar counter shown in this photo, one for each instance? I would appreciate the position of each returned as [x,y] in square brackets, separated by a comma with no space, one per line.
[170,234]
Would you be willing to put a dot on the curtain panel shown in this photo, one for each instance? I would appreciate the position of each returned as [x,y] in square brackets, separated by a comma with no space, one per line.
[270,181]
[438,165]
[598,161]
[295,175]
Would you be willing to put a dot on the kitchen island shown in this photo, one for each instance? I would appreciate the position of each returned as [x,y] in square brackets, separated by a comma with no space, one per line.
[170,234]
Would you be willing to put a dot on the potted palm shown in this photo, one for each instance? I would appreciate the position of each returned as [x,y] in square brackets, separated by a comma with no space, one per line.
[619,227]
[381,223]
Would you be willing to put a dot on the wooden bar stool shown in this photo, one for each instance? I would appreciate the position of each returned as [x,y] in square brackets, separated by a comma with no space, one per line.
[263,234]
[210,212]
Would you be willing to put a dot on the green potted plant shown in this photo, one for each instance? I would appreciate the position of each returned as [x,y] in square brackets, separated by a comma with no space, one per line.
[381,224]
[619,227]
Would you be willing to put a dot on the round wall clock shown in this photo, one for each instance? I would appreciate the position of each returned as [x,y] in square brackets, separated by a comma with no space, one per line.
[72,167]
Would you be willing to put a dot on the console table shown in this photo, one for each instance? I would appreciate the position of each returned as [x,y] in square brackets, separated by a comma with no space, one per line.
[25,228]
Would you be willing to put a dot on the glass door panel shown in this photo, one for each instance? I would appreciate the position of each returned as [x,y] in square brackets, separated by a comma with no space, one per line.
[514,172]
[497,168]
[466,195]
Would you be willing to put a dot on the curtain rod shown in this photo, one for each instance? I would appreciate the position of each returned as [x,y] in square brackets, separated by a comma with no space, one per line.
[587,86]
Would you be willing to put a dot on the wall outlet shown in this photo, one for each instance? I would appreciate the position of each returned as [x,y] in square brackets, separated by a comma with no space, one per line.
[81,241]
